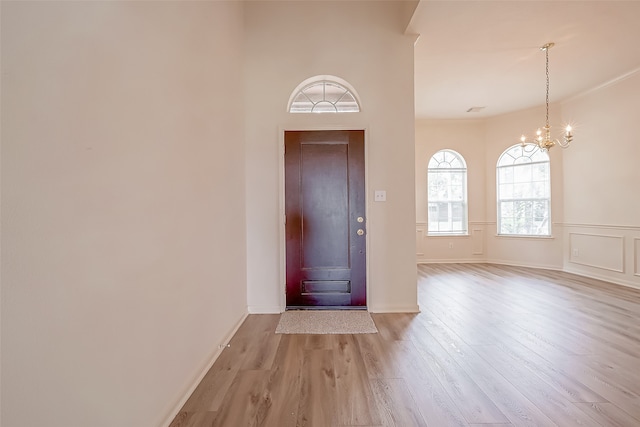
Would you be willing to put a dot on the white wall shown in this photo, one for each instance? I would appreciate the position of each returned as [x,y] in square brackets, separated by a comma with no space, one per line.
[481,142]
[602,182]
[595,207]
[361,42]
[123,263]
[503,132]
[466,137]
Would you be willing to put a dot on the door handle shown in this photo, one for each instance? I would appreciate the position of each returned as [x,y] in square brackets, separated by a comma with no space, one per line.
[360,219]
[360,232]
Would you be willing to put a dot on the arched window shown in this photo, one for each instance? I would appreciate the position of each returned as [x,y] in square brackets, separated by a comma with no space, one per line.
[447,193]
[524,193]
[324,94]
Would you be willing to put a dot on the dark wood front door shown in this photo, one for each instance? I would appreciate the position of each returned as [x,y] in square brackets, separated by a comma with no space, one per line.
[325,219]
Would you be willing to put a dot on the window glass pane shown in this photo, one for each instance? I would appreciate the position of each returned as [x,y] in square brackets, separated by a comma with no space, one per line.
[522,173]
[521,191]
[301,107]
[522,210]
[540,210]
[456,212]
[301,97]
[540,171]
[333,92]
[448,157]
[507,209]
[301,104]
[506,174]
[457,192]
[347,104]
[324,107]
[506,191]
[539,156]
[433,217]
[315,92]
[539,190]
[507,226]
[443,212]
[521,160]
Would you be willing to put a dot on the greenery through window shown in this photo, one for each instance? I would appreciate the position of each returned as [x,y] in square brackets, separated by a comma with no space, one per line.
[524,194]
[447,194]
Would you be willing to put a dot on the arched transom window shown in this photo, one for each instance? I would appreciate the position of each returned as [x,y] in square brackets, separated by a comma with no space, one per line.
[324,94]
[524,194]
[447,193]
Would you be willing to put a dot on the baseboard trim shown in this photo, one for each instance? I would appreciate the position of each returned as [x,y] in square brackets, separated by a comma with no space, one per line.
[198,379]
[394,309]
[577,272]
[603,278]
[452,261]
[265,309]
[525,264]
[494,261]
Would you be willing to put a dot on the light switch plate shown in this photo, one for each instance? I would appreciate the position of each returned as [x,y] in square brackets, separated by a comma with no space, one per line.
[380,196]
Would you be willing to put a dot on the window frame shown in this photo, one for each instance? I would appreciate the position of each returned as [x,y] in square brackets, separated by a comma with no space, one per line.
[530,151]
[464,203]
[323,102]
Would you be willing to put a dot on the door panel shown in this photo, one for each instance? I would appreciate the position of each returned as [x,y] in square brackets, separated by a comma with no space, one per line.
[325,201]
[324,197]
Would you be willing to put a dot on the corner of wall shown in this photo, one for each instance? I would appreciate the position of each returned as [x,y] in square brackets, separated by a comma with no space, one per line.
[190,388]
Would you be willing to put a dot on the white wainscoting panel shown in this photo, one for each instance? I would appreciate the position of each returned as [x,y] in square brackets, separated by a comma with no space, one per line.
[597,250]
[450,248]
[477,241]
[420,232]
[636,256]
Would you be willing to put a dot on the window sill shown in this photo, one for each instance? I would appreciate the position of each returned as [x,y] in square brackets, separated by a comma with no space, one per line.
[525,236]
[448,235]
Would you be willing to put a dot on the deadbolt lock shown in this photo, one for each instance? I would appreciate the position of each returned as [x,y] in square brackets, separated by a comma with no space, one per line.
[360,219]
[360,231]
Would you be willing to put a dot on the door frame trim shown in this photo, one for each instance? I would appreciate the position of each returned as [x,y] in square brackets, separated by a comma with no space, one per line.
[282,267]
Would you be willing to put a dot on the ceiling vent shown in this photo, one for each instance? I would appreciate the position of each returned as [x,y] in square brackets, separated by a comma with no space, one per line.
[475,109]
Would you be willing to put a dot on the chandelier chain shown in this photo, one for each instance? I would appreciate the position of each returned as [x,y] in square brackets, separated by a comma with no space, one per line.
[547,73]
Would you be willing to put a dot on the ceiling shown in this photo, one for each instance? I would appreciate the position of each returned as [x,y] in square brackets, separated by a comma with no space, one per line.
[487,53]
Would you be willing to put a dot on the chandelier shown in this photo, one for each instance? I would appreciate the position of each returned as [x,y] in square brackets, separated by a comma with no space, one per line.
[543,136]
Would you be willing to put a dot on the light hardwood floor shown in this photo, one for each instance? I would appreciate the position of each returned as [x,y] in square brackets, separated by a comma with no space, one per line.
[492,346]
